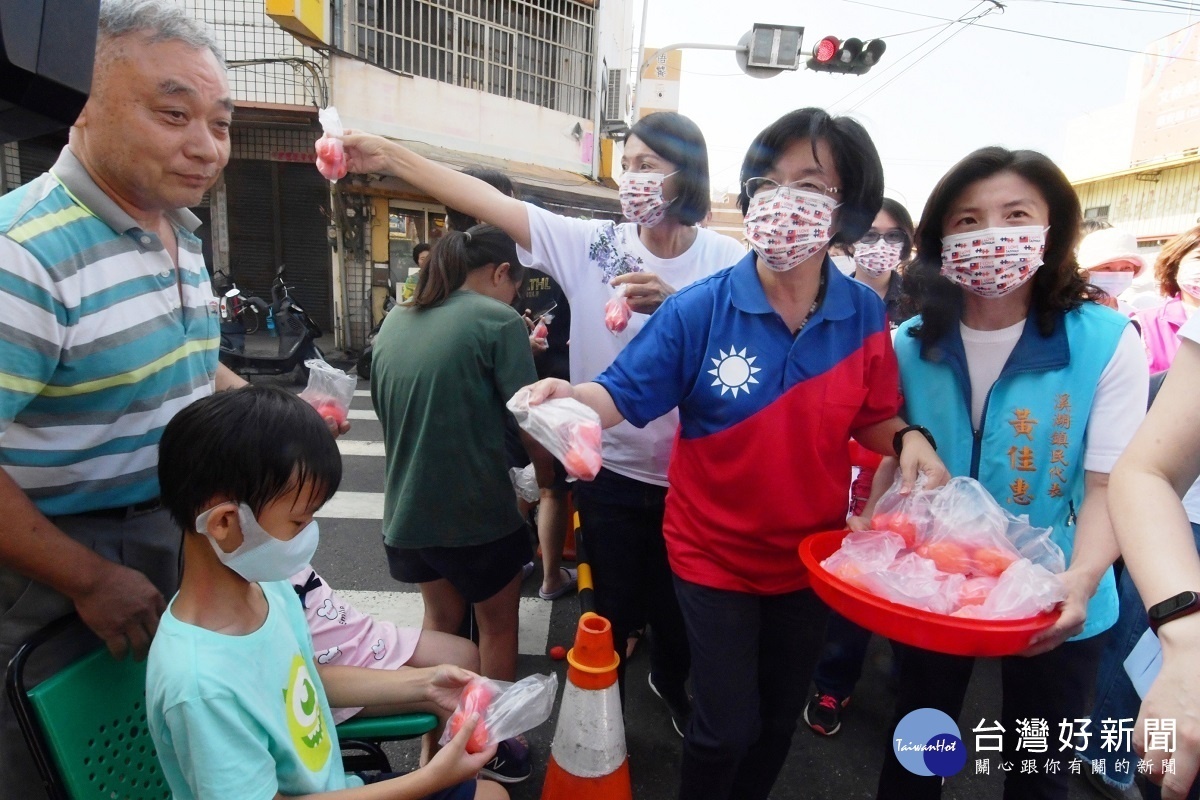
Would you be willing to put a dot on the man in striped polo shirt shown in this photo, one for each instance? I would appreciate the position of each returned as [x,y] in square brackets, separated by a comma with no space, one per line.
[108,326]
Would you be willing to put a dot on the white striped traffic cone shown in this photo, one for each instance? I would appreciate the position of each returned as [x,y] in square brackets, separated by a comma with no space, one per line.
[588,759]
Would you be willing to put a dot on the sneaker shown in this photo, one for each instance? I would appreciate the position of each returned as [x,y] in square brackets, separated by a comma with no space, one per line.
[824,713]
[679,705]
[511,764]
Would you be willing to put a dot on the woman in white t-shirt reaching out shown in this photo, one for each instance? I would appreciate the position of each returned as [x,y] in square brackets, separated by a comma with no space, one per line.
[665,194]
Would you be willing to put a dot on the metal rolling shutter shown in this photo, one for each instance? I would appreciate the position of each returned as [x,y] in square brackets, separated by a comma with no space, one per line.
[304,203]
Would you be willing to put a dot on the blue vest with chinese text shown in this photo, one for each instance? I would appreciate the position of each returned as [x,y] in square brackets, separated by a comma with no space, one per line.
[1028,451]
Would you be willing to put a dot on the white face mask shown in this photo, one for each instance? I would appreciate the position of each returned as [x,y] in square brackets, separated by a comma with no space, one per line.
[994,261]
[844,264]
[642,198]
[877,259]
[787,227]
[1111,283]
[261,557]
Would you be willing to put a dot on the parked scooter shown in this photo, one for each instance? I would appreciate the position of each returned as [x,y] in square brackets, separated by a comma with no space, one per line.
[363,367]
[287,342]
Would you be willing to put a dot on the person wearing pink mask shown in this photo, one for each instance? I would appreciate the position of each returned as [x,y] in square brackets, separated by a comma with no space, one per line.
[1109,257]
[1034,390]
[664,194]
[774,363]
[1178,273]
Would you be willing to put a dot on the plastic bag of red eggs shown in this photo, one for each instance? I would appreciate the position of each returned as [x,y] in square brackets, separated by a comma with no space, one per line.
[953,550]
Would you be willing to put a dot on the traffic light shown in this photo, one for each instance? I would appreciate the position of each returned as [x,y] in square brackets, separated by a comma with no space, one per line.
[852,56]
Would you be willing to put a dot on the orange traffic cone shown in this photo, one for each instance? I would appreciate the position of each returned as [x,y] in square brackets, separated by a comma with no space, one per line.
[587,759]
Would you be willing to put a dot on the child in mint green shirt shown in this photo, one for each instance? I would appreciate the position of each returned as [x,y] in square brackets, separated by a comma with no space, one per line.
[235,702]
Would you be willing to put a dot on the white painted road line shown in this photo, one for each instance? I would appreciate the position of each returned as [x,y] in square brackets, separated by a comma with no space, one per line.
[362,392]
[362,413]
[348,447]
[353,505]
[407,610]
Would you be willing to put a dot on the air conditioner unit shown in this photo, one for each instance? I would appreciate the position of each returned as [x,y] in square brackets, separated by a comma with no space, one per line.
[616,96]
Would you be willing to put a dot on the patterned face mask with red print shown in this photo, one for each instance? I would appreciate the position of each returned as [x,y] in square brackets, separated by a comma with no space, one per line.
[642,198]
[877,259]
[994,261]
[787,227]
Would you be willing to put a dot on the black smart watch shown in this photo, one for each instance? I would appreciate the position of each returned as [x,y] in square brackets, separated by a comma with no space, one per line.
[1175,607]
[898,439]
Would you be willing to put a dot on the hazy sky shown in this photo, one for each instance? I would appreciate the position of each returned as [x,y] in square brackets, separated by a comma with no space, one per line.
[981,87]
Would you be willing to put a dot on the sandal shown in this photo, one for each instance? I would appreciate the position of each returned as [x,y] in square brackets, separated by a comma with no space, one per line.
[567,587]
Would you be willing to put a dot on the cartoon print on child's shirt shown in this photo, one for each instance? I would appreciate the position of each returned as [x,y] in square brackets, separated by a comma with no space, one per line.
[379,650]
[329,655]
[327,610]
[306,718]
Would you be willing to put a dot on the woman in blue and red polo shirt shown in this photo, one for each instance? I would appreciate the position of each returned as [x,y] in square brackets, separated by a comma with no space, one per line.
[773,363]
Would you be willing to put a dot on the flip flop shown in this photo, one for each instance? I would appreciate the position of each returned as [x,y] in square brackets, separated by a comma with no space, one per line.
[567,587]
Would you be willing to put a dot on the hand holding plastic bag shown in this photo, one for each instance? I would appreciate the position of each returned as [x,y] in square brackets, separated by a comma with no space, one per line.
[331,153]
[617,311]
[564,426]
[504,709]
[329,390]
[542,329]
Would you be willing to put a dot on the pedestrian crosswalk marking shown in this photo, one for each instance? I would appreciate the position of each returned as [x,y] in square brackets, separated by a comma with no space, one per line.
[353,505]
[362,413]
[350,447]
[407,610]
[362,392]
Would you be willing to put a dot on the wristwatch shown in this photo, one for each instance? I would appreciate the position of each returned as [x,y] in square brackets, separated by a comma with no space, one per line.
[898,439]
[1175,607]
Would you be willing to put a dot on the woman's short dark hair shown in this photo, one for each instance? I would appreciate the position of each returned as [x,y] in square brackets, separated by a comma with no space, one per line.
[854,157]
[251,445]
[679,140]
[421,248]
[457,220]
[899,213]
[1057,284]
[456,255]
[1166,266]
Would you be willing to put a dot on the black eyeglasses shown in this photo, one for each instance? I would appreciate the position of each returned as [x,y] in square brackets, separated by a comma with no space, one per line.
[894,236]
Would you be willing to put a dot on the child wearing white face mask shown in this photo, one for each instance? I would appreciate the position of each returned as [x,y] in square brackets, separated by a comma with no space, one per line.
[235,701]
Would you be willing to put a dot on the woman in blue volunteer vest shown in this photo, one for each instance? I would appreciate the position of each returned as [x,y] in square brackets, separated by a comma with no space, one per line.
[1033,389]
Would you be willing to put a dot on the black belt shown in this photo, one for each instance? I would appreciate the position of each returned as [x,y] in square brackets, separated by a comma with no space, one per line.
[122,512]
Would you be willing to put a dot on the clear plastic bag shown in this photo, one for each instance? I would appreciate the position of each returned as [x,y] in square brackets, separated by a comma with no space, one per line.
[329,390]
[914,581]
[908,515]
[1024,590]
[505,709]
[564,426]
[331,153]
[617,311]
[542,329]
[862,552]
[525,483]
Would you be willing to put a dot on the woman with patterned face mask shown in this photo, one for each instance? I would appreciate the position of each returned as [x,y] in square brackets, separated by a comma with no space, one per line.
[661,250]
[880,253]
[774,363]
[1034,390]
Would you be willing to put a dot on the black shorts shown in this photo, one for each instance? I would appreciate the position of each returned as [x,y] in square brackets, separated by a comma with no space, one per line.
[476,571]
[460,791]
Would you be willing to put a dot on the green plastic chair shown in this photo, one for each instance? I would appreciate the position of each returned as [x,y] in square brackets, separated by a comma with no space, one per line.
[86,727]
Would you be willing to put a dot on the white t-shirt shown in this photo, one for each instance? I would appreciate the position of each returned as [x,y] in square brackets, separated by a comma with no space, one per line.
[583,256]
[1117,408]
[1191,500]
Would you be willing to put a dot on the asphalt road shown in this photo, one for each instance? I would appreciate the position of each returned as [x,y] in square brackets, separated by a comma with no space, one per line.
[844,766]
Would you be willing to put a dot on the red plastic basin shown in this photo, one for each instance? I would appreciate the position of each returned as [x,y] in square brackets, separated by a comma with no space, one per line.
[944,634]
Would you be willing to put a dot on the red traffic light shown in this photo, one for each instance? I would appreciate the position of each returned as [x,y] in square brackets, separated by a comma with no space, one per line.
[826,50]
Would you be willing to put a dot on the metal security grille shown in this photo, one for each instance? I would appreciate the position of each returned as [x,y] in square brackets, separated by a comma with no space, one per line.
[268,64]
[537,51]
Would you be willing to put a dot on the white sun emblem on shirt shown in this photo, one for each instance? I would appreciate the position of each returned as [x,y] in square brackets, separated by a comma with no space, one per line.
[734,372]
